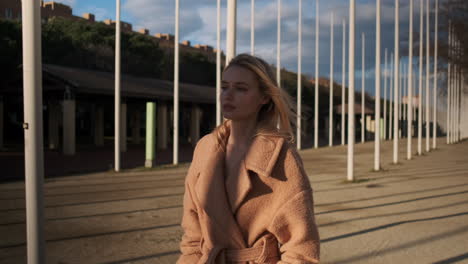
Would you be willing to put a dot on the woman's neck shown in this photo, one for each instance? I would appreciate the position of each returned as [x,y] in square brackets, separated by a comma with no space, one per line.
[241,132]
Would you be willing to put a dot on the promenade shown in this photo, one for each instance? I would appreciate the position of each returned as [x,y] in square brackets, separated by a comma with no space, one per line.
[412,212]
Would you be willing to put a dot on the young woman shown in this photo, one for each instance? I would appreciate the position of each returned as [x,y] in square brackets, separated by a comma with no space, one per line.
[247,196]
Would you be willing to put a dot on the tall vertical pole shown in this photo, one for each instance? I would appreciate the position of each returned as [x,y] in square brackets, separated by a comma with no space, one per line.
[176,87]
[33,125]
[316,108]
[352,21]
[405,92]
[396,78]
[385,96]
[436,37]
[400,86]
[343,85]
[392,104]
[330,127]
[428,119]
[449,83]
[420,94]
[117,89]
[278,45]
[377,91]
[299,76]
[410,86]
[252,27]
[231,30]
[455,88]
[363,88]
[218,62]
[457,92]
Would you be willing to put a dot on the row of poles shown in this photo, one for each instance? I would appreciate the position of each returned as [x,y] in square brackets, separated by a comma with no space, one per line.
[33,122]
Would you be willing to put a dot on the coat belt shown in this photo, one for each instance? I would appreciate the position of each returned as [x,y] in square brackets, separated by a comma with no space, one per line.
[259,254]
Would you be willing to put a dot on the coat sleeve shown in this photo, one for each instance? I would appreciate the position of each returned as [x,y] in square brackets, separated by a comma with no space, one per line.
[191,239]
[294,222]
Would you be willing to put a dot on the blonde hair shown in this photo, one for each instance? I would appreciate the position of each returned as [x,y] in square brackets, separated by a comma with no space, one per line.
[279,108]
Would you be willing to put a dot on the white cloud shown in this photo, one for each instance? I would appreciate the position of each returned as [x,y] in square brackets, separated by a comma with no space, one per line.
[158,15]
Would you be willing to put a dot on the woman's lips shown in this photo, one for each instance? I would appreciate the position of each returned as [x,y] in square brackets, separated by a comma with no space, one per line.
[228,108]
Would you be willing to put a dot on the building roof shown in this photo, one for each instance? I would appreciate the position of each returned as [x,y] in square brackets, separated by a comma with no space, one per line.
[86,81]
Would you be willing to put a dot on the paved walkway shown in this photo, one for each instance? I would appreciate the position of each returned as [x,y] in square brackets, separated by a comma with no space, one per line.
[413,212]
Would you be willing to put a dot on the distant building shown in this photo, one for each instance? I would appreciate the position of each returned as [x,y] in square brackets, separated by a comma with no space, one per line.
[11,9]
[126,27]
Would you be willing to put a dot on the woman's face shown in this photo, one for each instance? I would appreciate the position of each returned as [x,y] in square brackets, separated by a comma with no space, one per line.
[241,98]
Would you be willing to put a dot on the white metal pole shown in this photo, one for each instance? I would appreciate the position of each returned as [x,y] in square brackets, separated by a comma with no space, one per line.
[278,45]
[385,96]
[218,62]
[427,107]
[399,99]
[117,89]
[455,88]
[404,87]
[176,87]
[436,37]
[420,94]
[396,78]
[252,27]
[299,76]
[350,164]
[392,104]
[316,74]
[410,86]
[449,83]
[33,135]
[363,88]
[457,94]
[330,127]
[377,91]
[343,85]
[231,30]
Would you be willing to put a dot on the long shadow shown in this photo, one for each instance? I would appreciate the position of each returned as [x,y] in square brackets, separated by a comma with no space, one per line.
[117,175]
[95,192]
[97,202]
[391,195]
[95,235]
[410,178]
[393,214]
[392,225]
[143,258]
[392,203]
[95,184]
[400,246]
[97,215]
[453,259]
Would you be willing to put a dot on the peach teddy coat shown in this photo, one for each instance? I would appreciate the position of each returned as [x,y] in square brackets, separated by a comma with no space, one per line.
[270,200]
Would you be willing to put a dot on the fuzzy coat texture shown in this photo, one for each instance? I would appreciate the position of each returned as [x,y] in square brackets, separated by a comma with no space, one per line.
[272,199]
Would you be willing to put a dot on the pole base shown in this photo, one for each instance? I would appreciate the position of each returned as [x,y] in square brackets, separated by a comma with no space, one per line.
[149,163]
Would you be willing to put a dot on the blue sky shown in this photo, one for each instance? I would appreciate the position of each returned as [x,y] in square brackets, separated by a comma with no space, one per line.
[198,24]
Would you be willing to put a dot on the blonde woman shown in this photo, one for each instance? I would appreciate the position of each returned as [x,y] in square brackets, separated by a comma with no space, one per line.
[247,197]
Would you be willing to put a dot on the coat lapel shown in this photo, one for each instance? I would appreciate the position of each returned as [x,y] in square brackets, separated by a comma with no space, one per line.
[211,194]
[210,188]
[261,159]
